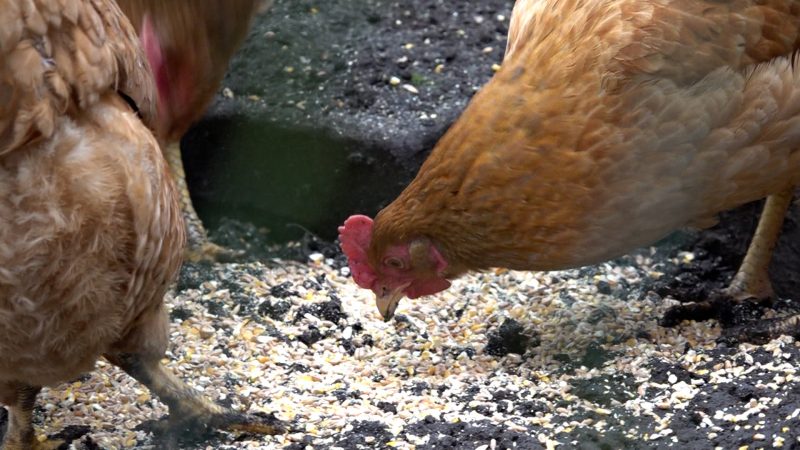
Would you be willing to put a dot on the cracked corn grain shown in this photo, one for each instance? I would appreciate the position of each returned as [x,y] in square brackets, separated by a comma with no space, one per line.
[332,368]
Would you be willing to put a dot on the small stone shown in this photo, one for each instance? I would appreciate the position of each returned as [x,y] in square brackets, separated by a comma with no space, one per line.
[207,331]
[410,88]
[347,333]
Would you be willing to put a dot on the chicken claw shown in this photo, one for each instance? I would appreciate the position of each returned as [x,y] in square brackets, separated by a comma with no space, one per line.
[750,288]
[188,409]
[20,434]
[752,279]
[762,331]
[202,249]
[199,247]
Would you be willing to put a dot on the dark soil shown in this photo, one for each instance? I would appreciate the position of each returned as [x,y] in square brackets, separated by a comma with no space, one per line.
[718,253]
[316,130]
[509,338]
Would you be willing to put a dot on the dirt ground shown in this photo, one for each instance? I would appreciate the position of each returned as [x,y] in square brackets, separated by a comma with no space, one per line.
[332,107]
[570,359]
[388,78]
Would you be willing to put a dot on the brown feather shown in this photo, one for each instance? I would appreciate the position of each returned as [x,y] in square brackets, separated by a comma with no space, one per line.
[90,230]
[610,124]
[197,36]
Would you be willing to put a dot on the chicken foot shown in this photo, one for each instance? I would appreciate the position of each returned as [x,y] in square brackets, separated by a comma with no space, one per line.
[750,287]
[19,433]
[188,409]
[752,279]
[199,247]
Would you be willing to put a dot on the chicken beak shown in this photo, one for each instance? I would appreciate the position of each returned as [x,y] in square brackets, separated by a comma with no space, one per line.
[387,302]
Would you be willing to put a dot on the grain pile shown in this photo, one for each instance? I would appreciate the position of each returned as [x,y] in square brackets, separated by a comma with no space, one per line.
[571,359]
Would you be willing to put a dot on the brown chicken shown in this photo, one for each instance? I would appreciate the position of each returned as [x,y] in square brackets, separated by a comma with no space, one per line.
[91,233]
[610,124]
[189,45]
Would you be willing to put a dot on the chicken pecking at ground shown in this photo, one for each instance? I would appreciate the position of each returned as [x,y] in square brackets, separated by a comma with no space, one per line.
[91,232]
[610,124]
[189,45]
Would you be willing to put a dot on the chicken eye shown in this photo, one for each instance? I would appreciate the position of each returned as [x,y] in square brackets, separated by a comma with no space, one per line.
[394,263]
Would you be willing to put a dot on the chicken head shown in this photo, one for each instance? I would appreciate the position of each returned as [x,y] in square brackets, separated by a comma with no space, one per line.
[412,269]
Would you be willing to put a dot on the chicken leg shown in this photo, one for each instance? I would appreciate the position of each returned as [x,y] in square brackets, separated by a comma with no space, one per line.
[751,282]
[199,247]
[21,399]
[752,279]
[188,409]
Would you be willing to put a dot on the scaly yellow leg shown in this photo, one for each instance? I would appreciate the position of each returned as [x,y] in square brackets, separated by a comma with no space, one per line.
[187,407]
[198,248]
[20,434]
[752,279]
[750,284]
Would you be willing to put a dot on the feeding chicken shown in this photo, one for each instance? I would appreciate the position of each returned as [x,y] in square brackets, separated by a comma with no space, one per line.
[189,45]
[610,124]
[91,233]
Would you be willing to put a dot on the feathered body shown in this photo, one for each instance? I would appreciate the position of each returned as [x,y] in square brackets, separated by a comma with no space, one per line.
[610,124]
[90,229]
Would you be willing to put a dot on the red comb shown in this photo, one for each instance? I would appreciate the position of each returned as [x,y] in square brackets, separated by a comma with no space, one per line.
[355,236]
